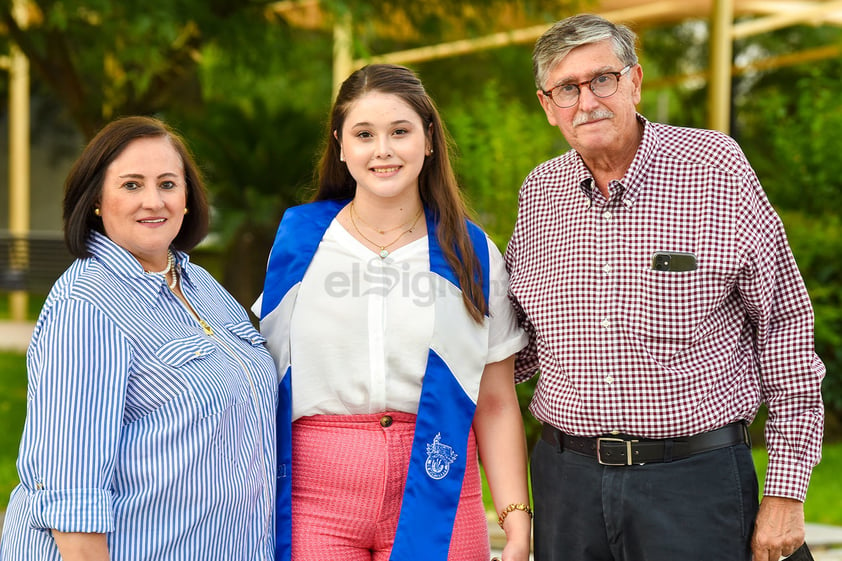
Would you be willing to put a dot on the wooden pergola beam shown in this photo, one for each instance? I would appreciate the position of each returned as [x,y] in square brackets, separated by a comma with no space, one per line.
[791,17]
[644,11]
[770,63]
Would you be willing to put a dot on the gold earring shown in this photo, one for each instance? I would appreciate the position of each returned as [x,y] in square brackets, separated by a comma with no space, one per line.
[97,211]
[185,210]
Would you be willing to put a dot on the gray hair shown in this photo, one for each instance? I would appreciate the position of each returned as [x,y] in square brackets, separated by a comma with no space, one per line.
[575,31]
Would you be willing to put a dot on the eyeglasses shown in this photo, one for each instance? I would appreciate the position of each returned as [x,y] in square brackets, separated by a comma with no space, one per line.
[604,85]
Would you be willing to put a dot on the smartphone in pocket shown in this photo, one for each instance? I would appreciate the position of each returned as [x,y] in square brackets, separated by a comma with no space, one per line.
[673,261]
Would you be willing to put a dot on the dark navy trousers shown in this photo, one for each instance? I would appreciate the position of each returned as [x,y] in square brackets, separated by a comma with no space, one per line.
[698,508]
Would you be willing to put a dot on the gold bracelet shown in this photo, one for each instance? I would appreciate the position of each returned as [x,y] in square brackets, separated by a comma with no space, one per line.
[513,507]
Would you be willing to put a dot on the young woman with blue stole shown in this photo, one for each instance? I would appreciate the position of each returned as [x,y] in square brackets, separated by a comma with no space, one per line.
[387,314]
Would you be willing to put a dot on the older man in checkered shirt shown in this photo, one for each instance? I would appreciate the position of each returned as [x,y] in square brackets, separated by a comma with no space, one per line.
[664,307]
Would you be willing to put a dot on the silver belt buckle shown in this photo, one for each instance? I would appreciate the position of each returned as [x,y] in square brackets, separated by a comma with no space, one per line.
[628,443]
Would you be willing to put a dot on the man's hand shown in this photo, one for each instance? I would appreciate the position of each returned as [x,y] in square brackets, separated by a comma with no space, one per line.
[779,529]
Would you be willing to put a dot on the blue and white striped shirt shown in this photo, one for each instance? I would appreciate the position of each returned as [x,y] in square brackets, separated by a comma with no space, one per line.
[142,425]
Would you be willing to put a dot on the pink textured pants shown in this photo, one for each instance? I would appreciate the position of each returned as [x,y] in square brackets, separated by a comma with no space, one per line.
[348,475]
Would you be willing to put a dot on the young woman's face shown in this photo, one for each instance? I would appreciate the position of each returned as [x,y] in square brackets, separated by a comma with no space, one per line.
[143,199]
[384,143]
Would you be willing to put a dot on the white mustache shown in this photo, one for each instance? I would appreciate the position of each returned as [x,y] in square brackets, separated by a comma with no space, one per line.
[582,118]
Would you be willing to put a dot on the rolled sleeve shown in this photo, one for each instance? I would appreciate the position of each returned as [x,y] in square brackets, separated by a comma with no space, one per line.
[74,510]
[78,368]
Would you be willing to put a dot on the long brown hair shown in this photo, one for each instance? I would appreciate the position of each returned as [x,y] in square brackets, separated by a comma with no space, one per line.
[437,183]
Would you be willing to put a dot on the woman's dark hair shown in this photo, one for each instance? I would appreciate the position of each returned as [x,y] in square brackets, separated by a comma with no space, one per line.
[83,186]
[437,183]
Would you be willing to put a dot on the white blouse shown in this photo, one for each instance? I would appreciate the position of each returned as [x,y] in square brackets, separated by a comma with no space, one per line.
[362,326]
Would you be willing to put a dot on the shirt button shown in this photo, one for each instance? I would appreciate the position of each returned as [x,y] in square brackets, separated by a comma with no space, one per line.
[607,215]
[609,379]
[606,268]
[605,323]
[385,421]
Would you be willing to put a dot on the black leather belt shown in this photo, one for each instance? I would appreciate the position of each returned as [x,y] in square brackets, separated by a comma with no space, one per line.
[622,450]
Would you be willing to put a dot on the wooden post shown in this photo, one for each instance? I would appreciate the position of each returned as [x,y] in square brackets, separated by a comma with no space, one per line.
[342,56]
[721,53]
[19,220]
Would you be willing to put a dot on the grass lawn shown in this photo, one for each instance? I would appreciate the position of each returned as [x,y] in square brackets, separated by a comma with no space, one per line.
[824,499]
[12,413]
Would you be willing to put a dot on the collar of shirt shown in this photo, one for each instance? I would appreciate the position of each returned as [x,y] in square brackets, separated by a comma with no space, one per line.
[626,189]
[124,265]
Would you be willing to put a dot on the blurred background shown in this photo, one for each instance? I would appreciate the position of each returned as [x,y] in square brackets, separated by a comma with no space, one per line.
[249,84]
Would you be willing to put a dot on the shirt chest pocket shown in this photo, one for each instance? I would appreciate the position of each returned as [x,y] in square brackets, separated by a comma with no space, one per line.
[668,306]
[179,352]
[246,333]
[211,375]
[163,375]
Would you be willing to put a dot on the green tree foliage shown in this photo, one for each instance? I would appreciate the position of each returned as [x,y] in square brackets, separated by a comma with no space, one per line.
[249,91]
[228,75]
[666,53]
[104,59]
[787,126]
[791,137]
[258,161]
[387,25]
[257,133]
[499,142]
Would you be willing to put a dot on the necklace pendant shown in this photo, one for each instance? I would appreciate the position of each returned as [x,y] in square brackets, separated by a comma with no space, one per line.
[384,253]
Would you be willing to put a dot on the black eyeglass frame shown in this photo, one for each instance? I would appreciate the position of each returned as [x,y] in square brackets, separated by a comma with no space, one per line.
[590,84]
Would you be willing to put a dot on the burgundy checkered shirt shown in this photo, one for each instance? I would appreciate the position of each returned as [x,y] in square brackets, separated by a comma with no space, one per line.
[654,353]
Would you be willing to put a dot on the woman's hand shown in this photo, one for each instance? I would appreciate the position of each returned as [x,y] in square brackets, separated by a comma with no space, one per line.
[518,533]
[78,546]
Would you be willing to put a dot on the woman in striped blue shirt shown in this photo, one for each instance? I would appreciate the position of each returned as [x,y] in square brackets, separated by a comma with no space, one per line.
[151,400]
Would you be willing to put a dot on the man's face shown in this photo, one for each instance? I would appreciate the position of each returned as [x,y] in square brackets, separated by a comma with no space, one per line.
[594,126]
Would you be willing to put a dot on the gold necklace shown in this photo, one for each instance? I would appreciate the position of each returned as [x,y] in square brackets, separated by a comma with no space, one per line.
[384,248]
[380,230]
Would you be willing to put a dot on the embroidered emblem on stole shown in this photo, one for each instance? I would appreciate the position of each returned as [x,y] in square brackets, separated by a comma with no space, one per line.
[439,458]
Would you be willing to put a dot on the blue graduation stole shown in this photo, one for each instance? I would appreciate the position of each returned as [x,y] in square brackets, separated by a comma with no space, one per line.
[448,394]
